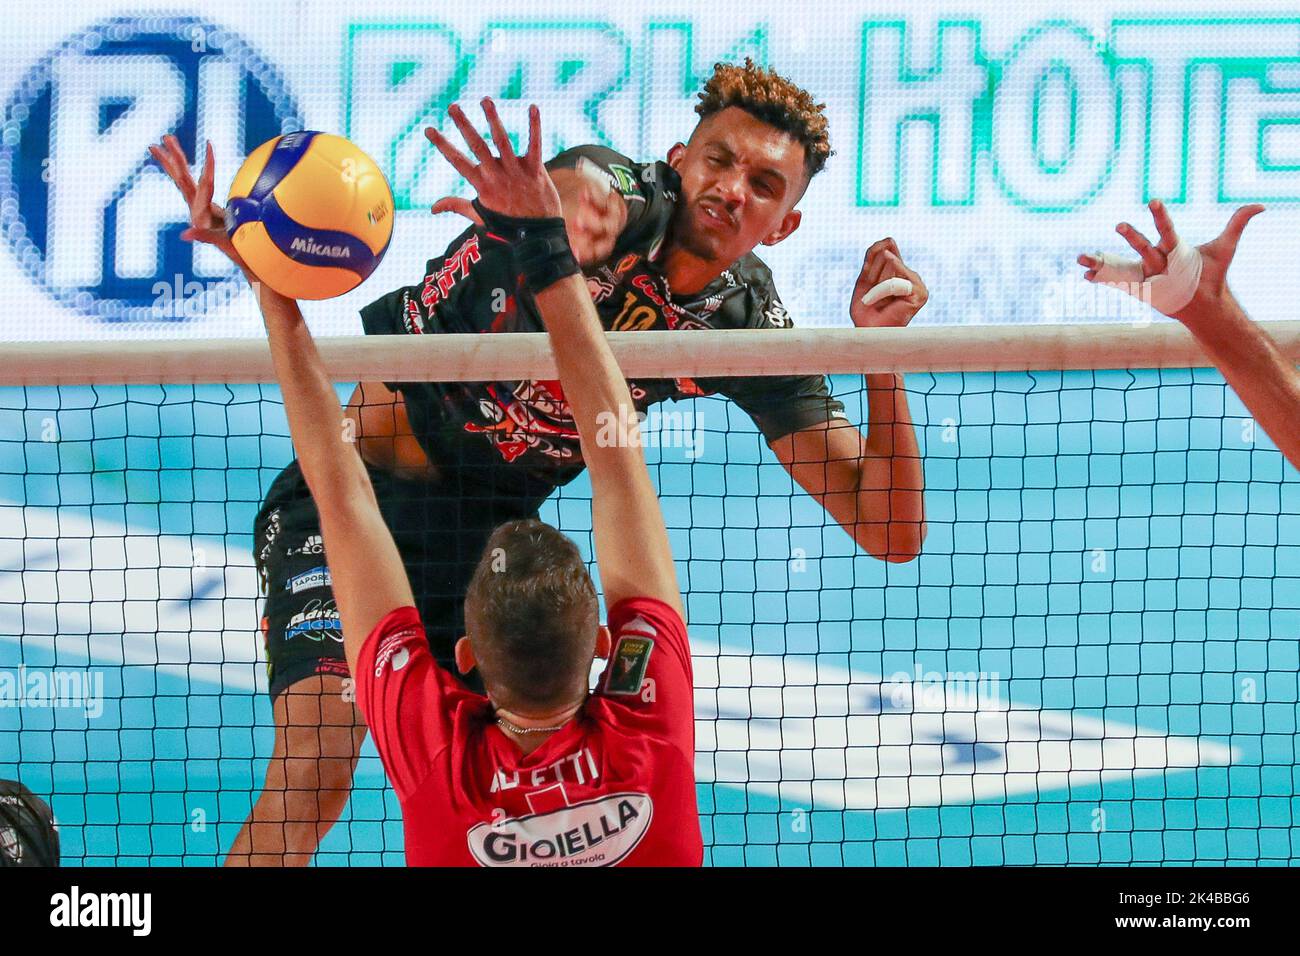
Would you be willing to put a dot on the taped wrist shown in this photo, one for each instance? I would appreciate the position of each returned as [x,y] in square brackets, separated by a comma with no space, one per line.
[541,246]
[1169,291]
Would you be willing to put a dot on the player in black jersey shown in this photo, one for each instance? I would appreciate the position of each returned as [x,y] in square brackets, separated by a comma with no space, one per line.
[665,245]
[526,424]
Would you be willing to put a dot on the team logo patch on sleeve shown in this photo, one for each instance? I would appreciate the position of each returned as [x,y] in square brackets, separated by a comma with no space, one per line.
[624,180]
[627,667]
[393,649]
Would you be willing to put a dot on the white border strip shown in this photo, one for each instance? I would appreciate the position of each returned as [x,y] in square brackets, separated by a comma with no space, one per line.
[701,354]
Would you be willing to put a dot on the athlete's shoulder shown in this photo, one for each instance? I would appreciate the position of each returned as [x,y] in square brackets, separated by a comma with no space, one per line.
[623,173]
[603,155]
[758,306]
[637,626]
[752,271]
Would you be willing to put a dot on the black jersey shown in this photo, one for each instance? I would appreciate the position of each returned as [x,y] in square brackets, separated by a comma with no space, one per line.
[510,435]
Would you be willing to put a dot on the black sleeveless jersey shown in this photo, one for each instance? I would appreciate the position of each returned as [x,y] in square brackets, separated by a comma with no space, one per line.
[511,436]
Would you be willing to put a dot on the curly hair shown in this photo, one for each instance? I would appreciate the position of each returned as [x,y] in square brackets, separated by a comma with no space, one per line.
[770,97]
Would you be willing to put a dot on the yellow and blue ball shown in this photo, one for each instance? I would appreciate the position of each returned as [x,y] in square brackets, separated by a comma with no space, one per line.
[310,214]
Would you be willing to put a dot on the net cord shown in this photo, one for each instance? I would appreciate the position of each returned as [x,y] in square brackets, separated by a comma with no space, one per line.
[661,354]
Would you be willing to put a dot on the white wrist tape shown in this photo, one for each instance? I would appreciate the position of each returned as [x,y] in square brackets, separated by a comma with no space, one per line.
[890,287]
[1168,292]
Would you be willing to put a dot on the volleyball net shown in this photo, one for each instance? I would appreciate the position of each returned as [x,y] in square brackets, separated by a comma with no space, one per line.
[1094,659]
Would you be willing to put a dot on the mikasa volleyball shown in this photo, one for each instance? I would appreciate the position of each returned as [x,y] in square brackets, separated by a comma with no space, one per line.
[311,214]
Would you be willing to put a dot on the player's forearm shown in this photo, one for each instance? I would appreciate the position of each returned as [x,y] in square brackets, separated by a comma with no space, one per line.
[1250,361]
[891,476]
[628,526]
[330,465]
[594,386]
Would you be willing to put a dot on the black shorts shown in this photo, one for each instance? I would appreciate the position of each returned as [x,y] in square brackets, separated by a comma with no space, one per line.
[440,529]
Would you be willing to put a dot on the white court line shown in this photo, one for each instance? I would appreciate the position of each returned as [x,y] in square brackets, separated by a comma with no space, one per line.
[114,595]
[827,737]
[791,726]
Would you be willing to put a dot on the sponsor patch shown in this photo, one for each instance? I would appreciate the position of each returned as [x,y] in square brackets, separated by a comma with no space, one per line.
[315,578]
[600,291]
[599,832]
[411,317]
[628,664]
[314,621]
[334,668]
[309,245]
[270,534]
[777,315]
[438,284]
[624,179]
[638,625]
[311,545]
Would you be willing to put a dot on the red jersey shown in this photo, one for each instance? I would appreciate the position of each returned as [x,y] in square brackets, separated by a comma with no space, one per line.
[615,786]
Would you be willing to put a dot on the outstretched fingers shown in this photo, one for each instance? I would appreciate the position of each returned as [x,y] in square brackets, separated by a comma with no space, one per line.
[1231,234]
[534,154]
[164,161]
[1091,263]
[1153,261]
[171,158]
[1164,225]
[207,178]
[458,160]
[499,134]
[201,197]
[895,266]
[875,260]
[482,152]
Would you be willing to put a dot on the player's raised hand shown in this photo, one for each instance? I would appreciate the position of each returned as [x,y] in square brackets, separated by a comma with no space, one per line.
[512,185]
[1218,253]
[594,211]
[207,219]
[1154,258]
[887,292]
[1215,256]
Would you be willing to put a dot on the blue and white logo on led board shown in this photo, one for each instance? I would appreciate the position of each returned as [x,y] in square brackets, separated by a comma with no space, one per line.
[82,204]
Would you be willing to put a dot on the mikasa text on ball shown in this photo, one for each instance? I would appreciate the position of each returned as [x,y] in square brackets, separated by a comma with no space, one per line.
[310,214]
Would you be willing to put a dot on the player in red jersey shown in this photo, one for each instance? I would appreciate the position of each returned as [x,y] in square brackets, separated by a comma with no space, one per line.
[540,771]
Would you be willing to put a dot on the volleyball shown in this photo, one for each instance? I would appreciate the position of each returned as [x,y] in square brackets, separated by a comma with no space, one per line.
[311,214]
